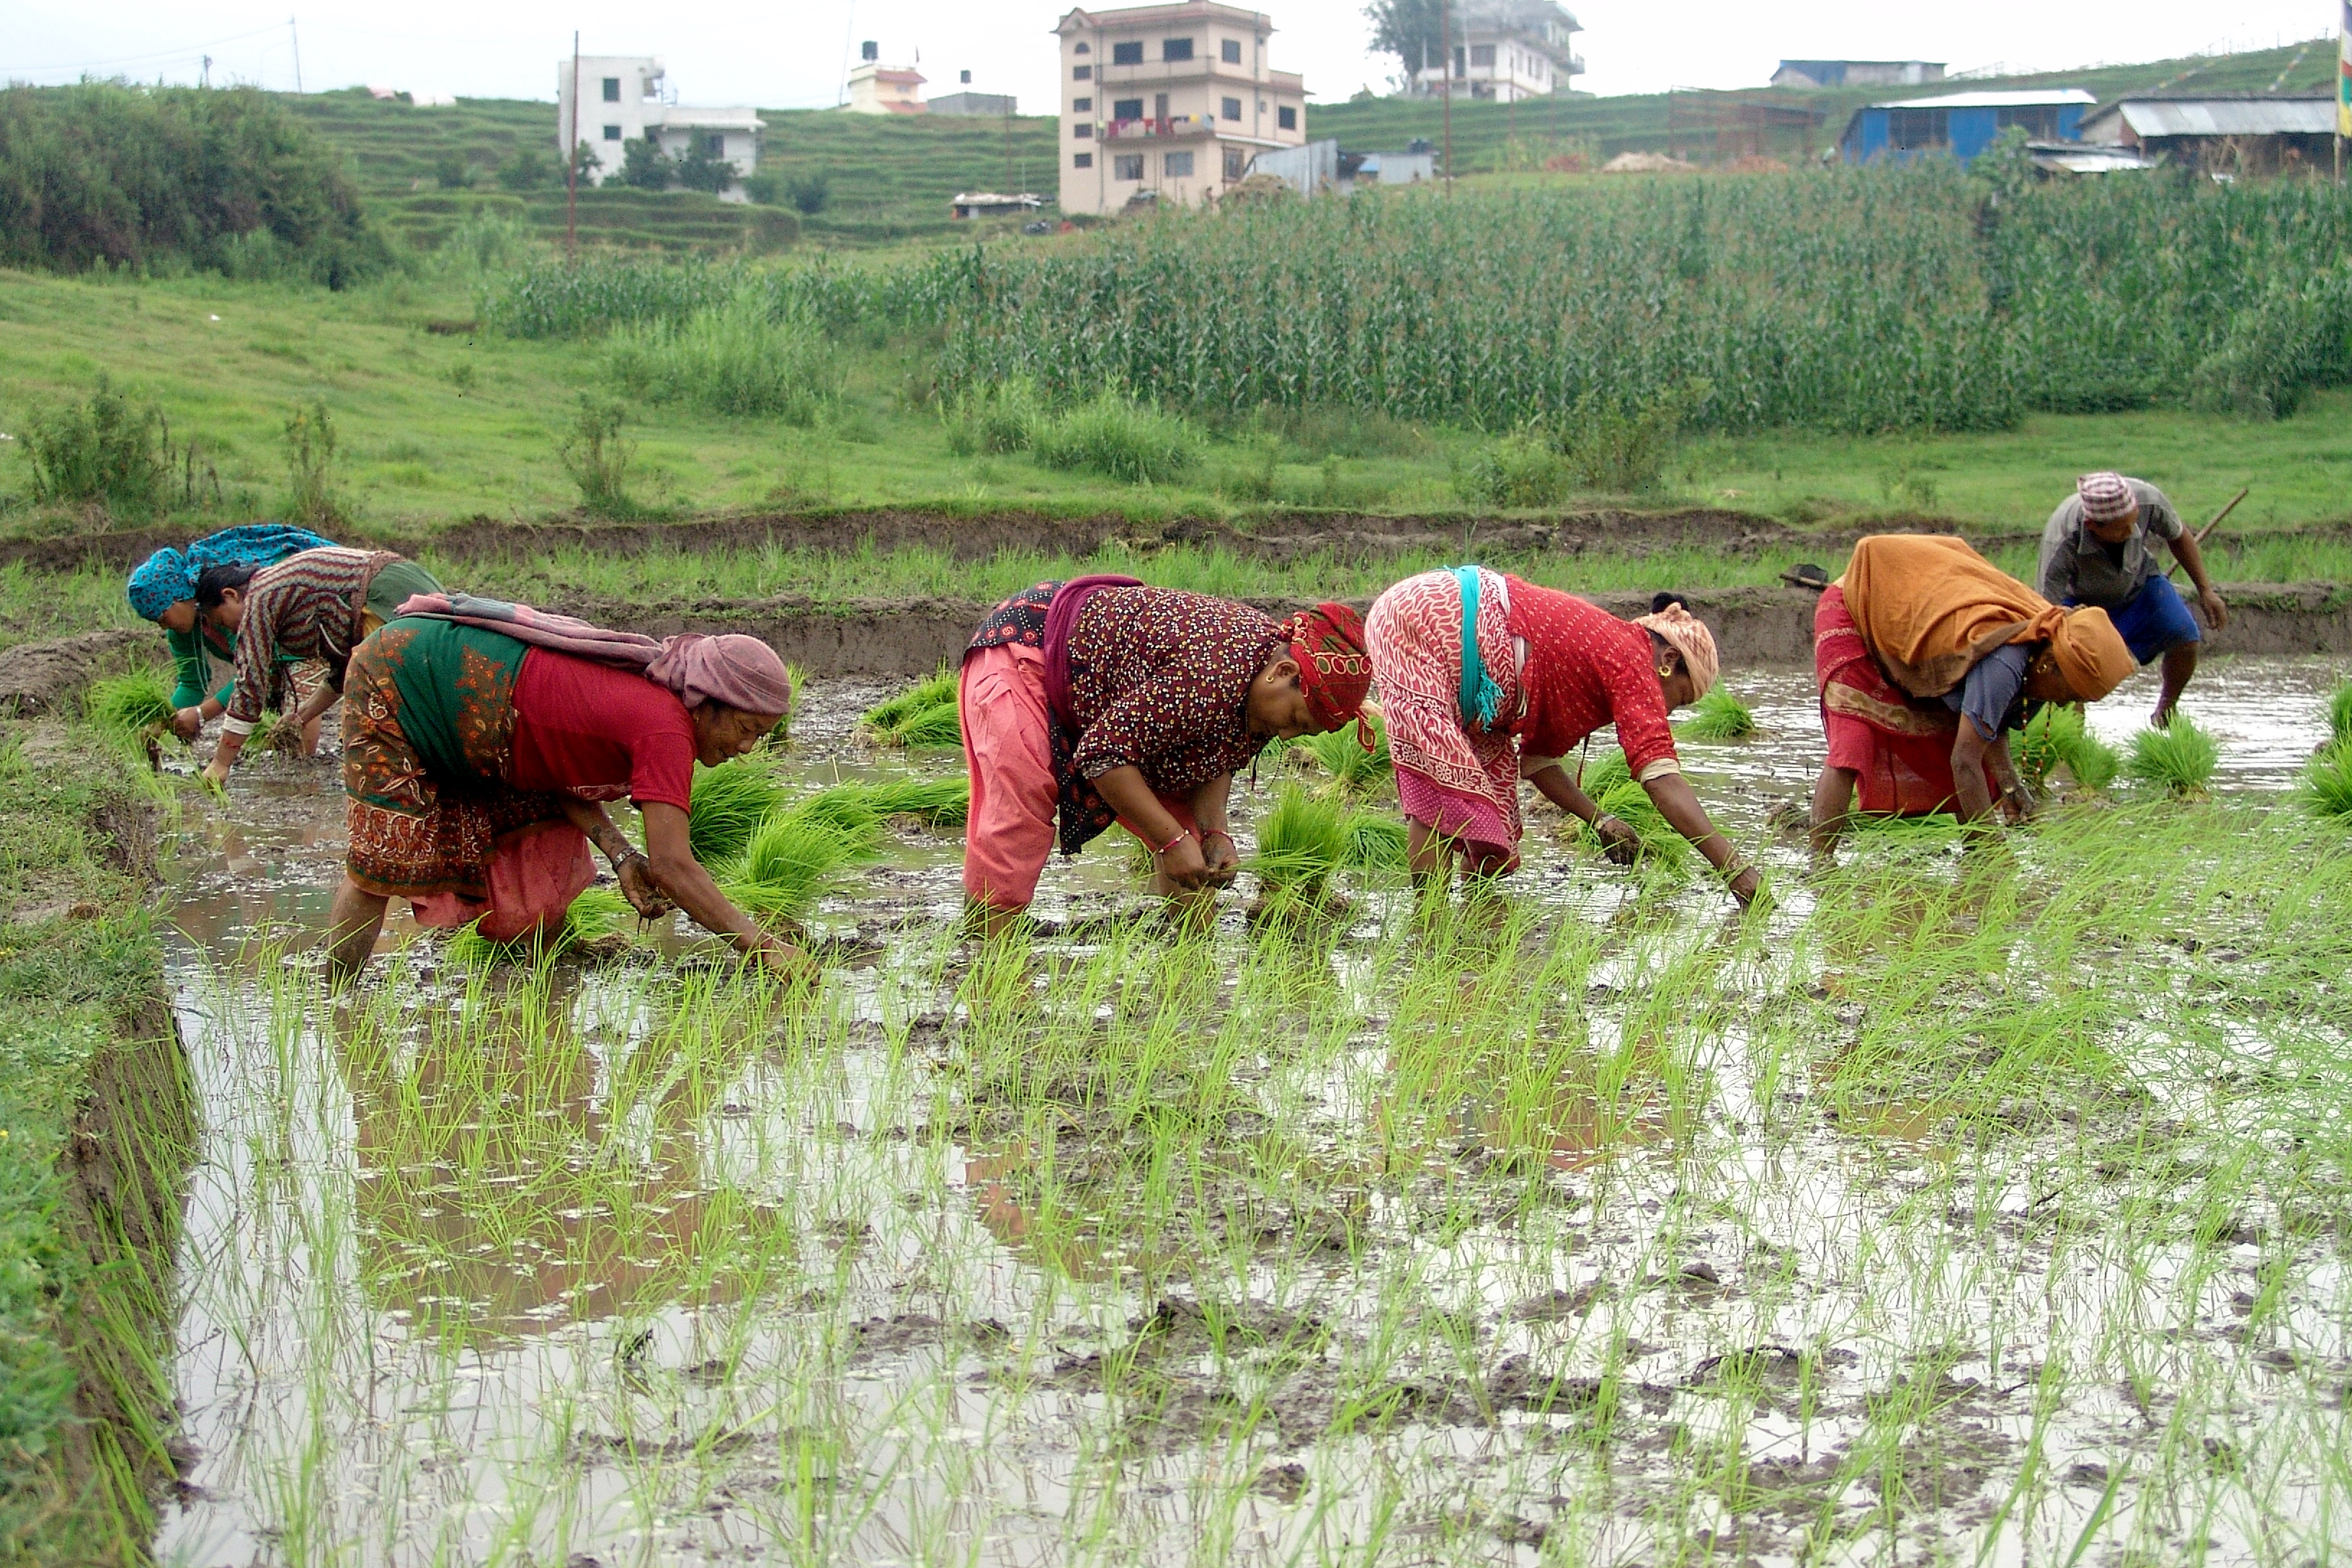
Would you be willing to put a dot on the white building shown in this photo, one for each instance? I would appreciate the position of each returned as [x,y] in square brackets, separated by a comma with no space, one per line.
[1172,102]
[1506,50]
[1857,73]
[621,100]
[877,88]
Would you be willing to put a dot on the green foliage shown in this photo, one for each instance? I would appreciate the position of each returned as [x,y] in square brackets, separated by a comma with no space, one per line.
[451,172]
[2339,712]
[2297,334]
[2058,735]
[700,170]
[1611,783]
[994,420]
[529,170]
[922,715]
[1412,30]
[2327,781]
[793,860]
[1719,716]
[596,455]
[548,298]
[104,173]
[1119,439]
[727,806]
[128,708]
[109,451]
[643,167]
[809,192]
[1853,299]
[1622,448]
[1521,469]
[2181,757]
[735,359]
[310,467]
[860,809]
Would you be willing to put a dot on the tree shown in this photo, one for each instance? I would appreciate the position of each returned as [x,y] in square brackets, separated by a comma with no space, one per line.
[529,170]
[1413,30]
[452,173]
[808,192]
[703,170]
[584,163]
[643,165]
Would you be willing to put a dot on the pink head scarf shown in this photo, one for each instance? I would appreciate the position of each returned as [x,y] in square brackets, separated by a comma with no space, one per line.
[740,671]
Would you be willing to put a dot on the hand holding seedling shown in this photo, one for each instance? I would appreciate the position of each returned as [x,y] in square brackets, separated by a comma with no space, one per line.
[1222,855]
[1619,841]
[636,875]
[188,723]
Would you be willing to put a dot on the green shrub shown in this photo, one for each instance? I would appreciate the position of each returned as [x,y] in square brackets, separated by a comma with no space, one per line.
[738,360]
[1119,439]
[2327,781]
[310,467]
[109,451]
[808,193]
[2179,757]
[596,455]
[1521,469]
[643,167]
[1613,445]
[452,173]
[529,170]
[999,420]
[1719,716]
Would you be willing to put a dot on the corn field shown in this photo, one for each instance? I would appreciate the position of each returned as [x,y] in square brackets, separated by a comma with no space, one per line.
[1921,298]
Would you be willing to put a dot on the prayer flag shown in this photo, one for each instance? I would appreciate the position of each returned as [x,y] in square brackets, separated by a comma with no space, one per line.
[2344,74]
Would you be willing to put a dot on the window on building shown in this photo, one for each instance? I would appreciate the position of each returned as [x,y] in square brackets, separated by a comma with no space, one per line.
[1082,106]
[715,145]
[1127,109]
[611,89]
[1176,165]
[1918,130]
[1237,164]
[1083,73]
[1127,166]
[1175,48]
[612,133]
[1083,130]
[1230,108]
[1229,51]
[653,134]
[1084,49]
[1126,54]
[1082,161]
[1483,55]
[1286,118]
[2039,121]
[1459,68]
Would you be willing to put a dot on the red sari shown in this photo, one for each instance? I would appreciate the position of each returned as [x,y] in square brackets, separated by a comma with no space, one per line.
[1899,750]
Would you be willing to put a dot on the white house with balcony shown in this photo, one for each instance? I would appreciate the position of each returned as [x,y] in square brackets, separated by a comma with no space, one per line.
[1506,50]
[1169,102]
[622,98]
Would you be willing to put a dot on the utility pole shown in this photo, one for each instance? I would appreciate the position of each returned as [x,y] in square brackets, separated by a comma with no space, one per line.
[1446,62]
[292,33]
[208,70]
[572,163]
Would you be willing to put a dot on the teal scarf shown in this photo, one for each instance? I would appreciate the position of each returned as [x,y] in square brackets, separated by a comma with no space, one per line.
[1481,698]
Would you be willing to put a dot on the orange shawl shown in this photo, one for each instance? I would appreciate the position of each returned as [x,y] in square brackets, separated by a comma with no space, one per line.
[1930,607]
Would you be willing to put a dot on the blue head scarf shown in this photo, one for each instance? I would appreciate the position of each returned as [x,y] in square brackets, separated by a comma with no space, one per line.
[168,576]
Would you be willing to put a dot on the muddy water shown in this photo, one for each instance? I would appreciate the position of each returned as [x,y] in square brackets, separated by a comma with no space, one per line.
[617,1268]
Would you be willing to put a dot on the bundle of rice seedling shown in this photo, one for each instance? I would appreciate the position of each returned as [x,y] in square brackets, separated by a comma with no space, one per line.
[2181,757]
[1377,842]
[1301,844]
[596,913]
[782,730]
[2057,736]
[1719,716]
[1611,783]
[794,860]
[936,803]
[727,806]
[2327,780]
[2339,713]
[130,706]
[922,715]
[1605,772]
[1352,769]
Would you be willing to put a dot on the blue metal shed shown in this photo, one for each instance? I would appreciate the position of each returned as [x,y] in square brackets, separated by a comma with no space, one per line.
[1961,124]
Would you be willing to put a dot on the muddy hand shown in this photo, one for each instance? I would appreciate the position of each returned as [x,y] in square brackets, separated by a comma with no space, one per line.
[787,963]
[1745,887]
[1222,858]
[188,723]
[644,895]
[1184,865]
[1618,840]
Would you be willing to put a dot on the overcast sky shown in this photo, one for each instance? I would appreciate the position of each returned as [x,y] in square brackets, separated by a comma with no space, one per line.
[794,53]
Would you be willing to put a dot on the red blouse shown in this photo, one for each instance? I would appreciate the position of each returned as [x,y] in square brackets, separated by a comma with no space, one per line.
[599,732]
[1586,669]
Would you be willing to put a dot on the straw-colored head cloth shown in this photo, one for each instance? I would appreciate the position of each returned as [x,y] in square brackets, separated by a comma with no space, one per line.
[1688,635]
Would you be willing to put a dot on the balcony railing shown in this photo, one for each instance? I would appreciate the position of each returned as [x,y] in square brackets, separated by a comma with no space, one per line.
[1176,125]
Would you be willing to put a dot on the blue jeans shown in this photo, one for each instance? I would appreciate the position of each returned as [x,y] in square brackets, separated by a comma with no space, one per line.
[2153,620]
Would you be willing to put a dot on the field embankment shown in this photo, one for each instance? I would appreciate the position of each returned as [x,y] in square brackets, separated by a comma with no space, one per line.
[96,1133]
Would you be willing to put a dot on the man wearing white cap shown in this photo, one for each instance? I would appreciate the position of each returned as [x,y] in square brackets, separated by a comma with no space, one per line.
[2096,551]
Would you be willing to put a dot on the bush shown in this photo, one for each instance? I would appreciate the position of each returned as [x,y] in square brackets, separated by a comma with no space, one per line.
[529,170]
[108,450]
[1521,469]
[596,455]
[1119,439]
[700,170]
[452,173]
[1000,419]
[643,167]
[310,467]
[1623,448]
[104,171]
[738,360]
[808,193]
[2181,757]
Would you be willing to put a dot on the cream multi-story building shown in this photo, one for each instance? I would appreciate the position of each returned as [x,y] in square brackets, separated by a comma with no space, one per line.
[1170,99]
[1507,50]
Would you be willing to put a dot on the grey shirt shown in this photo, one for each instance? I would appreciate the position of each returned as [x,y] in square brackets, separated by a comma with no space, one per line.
[2076,568]
[1989,695]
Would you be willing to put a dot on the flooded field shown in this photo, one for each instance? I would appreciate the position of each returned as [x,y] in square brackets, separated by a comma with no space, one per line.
[1967,1206]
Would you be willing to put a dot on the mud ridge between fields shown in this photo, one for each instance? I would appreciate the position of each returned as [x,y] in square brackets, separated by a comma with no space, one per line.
[1279,537]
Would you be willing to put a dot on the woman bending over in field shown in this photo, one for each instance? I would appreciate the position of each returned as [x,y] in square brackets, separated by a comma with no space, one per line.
[482,740]
[1928,655]
[318,605]
[1486,680]
[1100,699]
[163,589]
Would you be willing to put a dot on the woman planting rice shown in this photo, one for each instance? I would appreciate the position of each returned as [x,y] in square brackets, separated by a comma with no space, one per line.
[318,605]
[1926,655]
[482,740]
[1486,680]
[163,589]
[1100,699]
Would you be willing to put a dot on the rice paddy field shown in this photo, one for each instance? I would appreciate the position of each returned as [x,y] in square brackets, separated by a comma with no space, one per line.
[1965,1203]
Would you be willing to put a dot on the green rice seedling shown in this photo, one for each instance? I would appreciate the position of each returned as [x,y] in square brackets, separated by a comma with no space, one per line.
[885,720]
[781,733]
[1119,439]
[595,914]
[2339,712]
[936,728]
[1301,843]
[936,803]
[2057,735]
[130,706]
[1604,772]
[1377,842]
[2327,781]
[1353,770]
[1719,716]
[727,806]
[2181,757]
[794,860]
[1611,783]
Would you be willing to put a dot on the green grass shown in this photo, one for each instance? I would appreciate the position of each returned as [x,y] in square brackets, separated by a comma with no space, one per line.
[2179,757]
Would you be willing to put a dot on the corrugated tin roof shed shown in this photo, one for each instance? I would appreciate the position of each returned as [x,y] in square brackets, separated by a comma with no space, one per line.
[2074,158]
[2026,100]
[2220,117]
